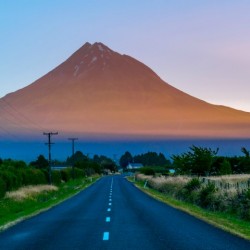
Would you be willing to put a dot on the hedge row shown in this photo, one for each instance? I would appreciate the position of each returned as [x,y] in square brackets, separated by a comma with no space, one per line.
[12,178]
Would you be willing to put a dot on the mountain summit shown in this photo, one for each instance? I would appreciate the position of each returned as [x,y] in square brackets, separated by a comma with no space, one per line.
[97,91]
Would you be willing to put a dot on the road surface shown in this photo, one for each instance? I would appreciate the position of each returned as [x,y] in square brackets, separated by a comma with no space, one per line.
[113,214]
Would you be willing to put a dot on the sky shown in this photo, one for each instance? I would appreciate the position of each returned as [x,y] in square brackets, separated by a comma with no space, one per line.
[201,47]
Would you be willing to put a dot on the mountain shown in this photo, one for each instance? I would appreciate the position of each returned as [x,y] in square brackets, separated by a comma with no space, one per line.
[97,92]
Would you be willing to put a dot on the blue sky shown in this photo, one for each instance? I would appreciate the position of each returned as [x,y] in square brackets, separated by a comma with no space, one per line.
[201,47]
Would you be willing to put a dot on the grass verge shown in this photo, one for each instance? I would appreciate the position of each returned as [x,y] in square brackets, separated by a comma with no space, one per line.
[13,211]
[225,221]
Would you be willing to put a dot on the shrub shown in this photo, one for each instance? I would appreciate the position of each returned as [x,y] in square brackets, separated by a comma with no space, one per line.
[193,184]
[190,191]
[56,177]
[89,171]
[2,188]
[26,176]
[32,177]
[10,179]
[38,177]
[244,205]
[79,173]
[66,174]
[147,171]
[207,198]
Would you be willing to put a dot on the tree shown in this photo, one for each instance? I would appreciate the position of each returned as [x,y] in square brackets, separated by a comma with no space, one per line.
[41,162]
[245,152]
[125,159]
[182,164]
[152,159]
[244,163]
[197,161]
[109,164]
[77,157]
[225,167]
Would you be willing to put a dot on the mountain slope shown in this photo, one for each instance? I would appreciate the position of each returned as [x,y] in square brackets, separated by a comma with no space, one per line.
[99,91]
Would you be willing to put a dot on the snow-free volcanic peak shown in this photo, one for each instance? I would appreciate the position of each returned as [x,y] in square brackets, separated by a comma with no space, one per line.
[97,91]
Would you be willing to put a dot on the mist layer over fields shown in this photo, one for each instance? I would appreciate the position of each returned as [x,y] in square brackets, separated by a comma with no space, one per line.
[28,151]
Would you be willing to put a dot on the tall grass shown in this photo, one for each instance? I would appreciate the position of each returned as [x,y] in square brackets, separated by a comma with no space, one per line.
[229,183]
[170,185]
[230,178]
[29,192]
[233,198]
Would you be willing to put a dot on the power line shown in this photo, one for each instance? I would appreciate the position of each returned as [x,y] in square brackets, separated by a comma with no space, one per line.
[9,133]
[49,146]
[21,117]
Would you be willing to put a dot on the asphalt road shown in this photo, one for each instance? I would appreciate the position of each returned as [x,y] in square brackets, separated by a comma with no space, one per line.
[113,214]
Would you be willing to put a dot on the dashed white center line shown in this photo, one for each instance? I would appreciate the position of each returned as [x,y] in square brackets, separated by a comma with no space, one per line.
[105,236]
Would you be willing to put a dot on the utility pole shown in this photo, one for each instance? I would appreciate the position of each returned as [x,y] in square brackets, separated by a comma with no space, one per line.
[49,145]
[73,152]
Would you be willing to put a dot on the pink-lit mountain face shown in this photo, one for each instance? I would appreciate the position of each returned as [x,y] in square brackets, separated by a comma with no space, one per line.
[97,91]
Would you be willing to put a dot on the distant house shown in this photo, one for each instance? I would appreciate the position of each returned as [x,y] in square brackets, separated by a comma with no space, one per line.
[134,166]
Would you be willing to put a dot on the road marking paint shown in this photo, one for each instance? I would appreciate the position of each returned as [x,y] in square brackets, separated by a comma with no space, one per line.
[109,209]
[107,219]
[110,199]
[105,236]
[110,204]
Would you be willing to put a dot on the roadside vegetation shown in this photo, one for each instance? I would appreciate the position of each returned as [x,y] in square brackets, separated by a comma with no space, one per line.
[24,188]
[211,187]
[224,220]
[28,201]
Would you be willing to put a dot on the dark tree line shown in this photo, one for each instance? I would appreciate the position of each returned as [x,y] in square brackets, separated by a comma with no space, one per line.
[199,161]
[204,161]
[151,159]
